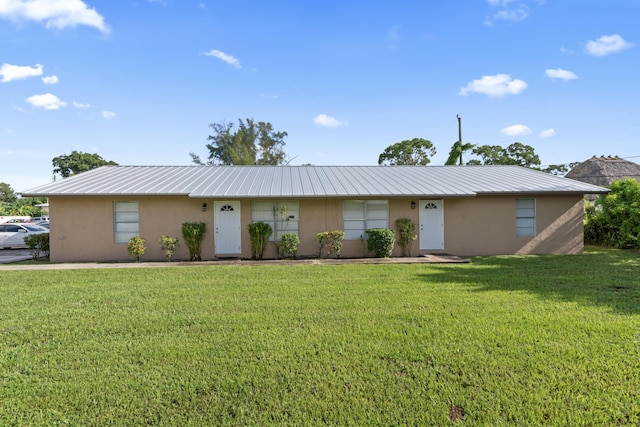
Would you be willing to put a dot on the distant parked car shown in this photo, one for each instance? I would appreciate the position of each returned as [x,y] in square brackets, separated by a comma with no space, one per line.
[44,224]
[12,235]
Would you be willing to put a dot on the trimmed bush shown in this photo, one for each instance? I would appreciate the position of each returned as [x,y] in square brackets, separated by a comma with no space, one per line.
[193,235]
[289,244]
[169,245]
[380,242]
[37,245]
[136,247]
[406,235]
[330,243]
[259,233]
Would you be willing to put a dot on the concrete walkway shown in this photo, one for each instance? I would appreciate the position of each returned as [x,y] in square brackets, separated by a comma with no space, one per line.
[425,259]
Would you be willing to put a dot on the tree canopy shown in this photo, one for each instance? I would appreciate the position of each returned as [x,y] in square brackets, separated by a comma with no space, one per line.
[250,144]
[11,204]
[615,218]
[455,155]
[515,154]
[76,162]
[416,151]
[7,194]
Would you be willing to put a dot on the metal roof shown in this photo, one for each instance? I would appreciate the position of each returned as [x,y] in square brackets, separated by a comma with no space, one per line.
[311,181]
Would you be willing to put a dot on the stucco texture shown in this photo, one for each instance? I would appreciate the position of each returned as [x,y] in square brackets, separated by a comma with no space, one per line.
[82,227]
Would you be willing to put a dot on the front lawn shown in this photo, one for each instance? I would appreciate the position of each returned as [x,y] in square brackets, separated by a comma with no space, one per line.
[539,340]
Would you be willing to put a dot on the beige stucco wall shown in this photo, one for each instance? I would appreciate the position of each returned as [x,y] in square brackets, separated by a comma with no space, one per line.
[485,225]
[82,227]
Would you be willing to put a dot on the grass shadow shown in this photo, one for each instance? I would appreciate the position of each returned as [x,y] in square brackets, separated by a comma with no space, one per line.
[599,277]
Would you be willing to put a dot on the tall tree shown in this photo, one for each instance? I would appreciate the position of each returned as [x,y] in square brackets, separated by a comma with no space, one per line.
[270,145]
[7,195]
[76,162]
[23,206]
[455,155]
[515,154]
[414,152]
[250,144]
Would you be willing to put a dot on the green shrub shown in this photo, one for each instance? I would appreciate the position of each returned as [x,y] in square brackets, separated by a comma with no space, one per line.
[330,242]
[289,244]
[380,242]
[406,234]
[169,245]
[37,245]
[136,247]
[615,219]
[596,228]
[259,233]
[193,235]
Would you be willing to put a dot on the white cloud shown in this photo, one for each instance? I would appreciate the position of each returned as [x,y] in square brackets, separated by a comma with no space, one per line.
[108,115]
[328,121]
[502,3]
[561,74]
[606,45]
[17,72]
[224,57]
[18,108]
[566,51]
[496,85]
[509,12]
[48,101]
[516,130]
[80,105]
[59,14]
[393,33]
[50,80]
[517,14]
[548,133]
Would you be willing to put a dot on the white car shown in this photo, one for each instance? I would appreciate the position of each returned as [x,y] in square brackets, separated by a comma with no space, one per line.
[12,235]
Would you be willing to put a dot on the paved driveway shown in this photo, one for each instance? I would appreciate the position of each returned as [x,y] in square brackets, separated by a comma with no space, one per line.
[8,256]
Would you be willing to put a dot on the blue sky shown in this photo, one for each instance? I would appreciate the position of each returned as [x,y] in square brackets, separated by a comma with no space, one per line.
[139,82]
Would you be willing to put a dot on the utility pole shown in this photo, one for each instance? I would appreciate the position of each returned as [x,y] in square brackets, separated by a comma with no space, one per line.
[460,137]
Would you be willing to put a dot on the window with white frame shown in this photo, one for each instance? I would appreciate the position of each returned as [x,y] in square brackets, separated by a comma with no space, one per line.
[126,221]
[282,215]
[525,217]
[361,215]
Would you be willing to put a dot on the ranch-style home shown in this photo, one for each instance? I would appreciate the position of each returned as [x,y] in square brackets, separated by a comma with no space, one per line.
[460,210]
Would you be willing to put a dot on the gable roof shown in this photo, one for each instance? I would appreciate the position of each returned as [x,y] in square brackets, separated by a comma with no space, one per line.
[604,170]
[310,181]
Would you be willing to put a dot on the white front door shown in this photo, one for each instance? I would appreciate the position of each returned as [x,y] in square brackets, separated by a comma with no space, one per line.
[227,228]
[431,225]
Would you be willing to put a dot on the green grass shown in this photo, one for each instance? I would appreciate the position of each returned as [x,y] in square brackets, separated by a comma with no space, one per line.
[540,340]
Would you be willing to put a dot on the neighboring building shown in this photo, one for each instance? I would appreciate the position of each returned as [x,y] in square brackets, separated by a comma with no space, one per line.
[461,210]
[602,171]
